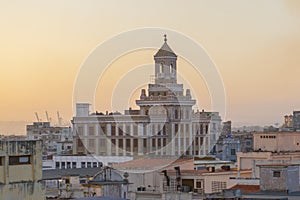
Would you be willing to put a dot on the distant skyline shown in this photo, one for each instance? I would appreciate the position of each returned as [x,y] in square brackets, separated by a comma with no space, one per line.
[254,44]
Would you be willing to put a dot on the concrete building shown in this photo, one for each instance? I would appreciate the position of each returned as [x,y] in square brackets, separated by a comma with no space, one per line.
[56,140]
[271,148]
[227,149]
[161,178]
[69,183]
[228,145]
[165,124]
[110,183]
[277,141]
[279,178]
[21,170]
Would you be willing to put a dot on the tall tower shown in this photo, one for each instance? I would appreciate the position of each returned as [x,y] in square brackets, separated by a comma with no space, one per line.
[166,92]
[165,64]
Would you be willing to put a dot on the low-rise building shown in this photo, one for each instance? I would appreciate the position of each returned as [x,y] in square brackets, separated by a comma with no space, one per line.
[21,170]
[158,178]
[277,141]
[81,161]
[56,139]
[228,145]
[110,182]
[68,183]
[279,178]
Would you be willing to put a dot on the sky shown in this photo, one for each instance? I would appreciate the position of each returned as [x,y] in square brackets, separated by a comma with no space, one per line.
[255,46]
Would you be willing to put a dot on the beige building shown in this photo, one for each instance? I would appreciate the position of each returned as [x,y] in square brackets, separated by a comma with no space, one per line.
[271,148]
[165,124]
[21,170]
[277,141]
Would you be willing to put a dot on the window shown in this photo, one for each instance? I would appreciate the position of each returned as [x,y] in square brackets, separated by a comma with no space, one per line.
[135,130]
[91,130]
[164,142]
[91,143]
[176,114]
[276,174]
[63,165]
[103,129]
[94,164]
[206,129]
[218,186]
[73,165]
[187,114]
[57,165]
[145,143]
[127,144]
[113,130]
[176,128]
[201,128]
[89,165]
[135,143]
[19,160]
[82,164]
[120,131]
[153,142]
[128,130]
[232,151]
[198,184]
[68,165]
[161,68]
[121,143]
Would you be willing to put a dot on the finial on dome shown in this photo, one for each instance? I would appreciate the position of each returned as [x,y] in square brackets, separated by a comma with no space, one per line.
[165,36]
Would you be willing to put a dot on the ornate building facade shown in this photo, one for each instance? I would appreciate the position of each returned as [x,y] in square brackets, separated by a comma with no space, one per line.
[165,124]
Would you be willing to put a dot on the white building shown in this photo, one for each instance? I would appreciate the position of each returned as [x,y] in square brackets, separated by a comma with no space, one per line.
[165,124]
[82,161]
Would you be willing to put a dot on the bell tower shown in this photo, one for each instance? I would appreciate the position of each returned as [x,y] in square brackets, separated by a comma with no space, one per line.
[165,64]
[166,92]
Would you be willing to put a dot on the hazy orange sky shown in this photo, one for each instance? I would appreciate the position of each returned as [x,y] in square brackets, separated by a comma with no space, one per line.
[255,45]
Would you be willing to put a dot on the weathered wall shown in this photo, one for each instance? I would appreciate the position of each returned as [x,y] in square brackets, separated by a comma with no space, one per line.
[24,191]
[270,183]
[293,178]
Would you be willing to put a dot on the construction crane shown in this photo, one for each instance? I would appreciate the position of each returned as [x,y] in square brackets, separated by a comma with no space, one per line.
[47,116]
[37,117]
[59,119]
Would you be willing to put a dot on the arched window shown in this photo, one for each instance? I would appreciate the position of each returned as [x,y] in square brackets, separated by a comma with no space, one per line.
[176,114]
[171,69]
[161,67]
